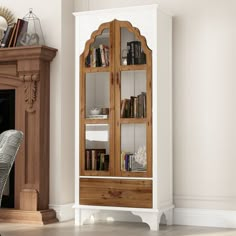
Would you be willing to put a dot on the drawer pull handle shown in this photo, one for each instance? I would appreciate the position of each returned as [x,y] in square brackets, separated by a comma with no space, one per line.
[115,193]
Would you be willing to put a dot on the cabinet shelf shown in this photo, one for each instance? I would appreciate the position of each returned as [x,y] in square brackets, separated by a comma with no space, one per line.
[133,120]
[134,173]
[96,121]
[96,69]
[133,67]
[96,173]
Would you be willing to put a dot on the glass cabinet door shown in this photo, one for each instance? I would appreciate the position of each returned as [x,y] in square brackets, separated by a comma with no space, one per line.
[96,118]
[133,96]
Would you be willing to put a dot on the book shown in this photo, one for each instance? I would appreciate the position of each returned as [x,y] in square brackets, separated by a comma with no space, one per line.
[135,55]
[23,38]
[98,58]
[106,162]
[93,61]
[106,52]
[6,37]
[93,158]
[88,159]
[12,36]
[102,54]
[19,25]
[122,109]
[102,161]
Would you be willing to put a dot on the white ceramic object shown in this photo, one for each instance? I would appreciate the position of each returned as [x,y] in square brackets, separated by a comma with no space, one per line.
[95,111]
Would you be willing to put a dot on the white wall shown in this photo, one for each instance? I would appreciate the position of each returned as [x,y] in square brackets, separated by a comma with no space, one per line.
[58,27]
[204,106]
[204,99]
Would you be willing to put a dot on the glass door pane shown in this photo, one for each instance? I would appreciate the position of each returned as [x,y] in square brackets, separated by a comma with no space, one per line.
[97,147]
[133,147]
[98,55]
[133,94]
[97,95]
[131,49]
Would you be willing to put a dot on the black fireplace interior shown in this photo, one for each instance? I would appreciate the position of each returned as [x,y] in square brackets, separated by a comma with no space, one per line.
[7,121]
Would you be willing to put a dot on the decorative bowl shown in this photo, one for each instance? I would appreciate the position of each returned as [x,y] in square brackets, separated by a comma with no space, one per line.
[95,111]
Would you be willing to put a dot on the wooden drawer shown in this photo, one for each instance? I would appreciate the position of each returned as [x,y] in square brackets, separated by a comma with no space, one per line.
[113,192]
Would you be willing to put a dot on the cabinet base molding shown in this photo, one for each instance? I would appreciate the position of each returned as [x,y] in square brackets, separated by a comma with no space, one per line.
[64,212]
[152,217]
[205,217]
[42,217]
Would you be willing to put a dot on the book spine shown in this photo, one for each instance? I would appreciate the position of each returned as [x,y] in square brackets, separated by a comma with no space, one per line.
[6,37]
[102,53]
[106,162]
[93,57]
[88,160]
[93,160]
[106,52]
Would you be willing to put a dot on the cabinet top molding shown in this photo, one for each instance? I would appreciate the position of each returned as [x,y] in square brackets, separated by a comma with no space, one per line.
[119,9]
[27,52]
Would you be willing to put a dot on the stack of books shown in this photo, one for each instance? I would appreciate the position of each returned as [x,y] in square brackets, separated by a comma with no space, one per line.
[14,34]
[98,57]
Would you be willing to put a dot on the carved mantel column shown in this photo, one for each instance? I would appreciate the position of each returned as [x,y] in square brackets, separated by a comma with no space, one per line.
[30,80]
[29,74]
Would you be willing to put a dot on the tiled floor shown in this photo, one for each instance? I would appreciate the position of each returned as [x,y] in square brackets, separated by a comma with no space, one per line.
[109,229]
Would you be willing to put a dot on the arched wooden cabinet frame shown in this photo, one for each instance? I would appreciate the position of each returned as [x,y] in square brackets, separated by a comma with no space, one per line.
[115,68]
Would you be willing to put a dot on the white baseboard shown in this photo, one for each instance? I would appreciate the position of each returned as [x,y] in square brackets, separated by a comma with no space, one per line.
[64,212]
[205,217]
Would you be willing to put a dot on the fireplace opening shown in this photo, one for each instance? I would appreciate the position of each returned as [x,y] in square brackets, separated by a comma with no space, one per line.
[7,121]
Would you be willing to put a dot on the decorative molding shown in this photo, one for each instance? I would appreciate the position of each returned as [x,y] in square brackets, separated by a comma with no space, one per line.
[152,217]
[30,83]
[205,217]
[64,212]
[204,198]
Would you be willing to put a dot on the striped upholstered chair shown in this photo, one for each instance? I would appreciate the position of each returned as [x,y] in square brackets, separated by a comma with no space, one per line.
[10,141]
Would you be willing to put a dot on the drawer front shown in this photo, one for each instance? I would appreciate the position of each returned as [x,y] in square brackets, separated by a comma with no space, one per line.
[113,192]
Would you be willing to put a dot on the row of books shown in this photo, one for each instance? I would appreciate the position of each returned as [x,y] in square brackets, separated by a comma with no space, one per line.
[98,57]
[96,159]
[134,107]
[128,162]
[14,34]
[135,54]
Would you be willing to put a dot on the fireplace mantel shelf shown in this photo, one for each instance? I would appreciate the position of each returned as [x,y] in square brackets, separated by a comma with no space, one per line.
[27,53]
[27,71]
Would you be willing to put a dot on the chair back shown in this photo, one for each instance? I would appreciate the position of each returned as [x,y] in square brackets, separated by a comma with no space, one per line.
[10,141]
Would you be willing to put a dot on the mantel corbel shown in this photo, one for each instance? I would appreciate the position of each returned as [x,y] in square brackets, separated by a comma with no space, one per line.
[30,80]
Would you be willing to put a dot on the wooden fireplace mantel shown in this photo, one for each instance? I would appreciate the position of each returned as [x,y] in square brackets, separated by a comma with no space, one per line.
[27,71]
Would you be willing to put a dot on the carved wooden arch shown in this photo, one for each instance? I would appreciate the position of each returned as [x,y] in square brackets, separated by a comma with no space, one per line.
[125,24]
[94,35]
[137,33]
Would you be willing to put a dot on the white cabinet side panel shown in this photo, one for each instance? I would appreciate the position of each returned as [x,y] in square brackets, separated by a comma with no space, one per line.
[164,110]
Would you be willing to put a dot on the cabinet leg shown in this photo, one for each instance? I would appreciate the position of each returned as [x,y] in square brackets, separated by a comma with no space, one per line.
[151,218]
[169,217]
[85,216]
